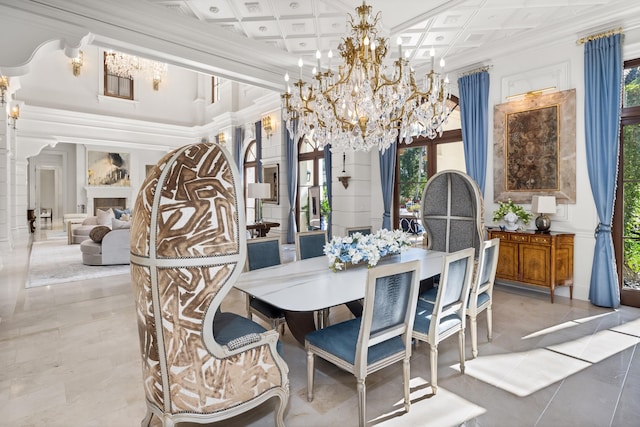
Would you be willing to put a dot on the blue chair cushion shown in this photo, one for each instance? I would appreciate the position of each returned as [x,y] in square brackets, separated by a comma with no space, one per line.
[424,311]
[482,298]
[341,340]
[265,308]
[229,326]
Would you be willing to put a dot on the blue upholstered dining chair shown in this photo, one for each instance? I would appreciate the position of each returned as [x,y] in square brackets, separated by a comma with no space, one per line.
[381,337]
[363,229]
[310,244]
[436,321]
[481,296]
[261,253]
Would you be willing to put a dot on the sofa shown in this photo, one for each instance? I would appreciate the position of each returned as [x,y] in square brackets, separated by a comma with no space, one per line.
[77,233]
[113,249]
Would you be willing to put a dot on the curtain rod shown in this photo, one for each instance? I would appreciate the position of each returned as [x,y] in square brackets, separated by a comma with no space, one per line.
[477,70]
[599,36]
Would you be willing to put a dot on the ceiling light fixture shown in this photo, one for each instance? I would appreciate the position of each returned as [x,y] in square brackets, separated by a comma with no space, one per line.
[360,107]
[129,66]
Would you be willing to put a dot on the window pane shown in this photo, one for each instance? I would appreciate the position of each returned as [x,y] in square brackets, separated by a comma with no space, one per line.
[631,87]
[112,85]
[451,156]
[631,151]
[125,88]
[631,207]
[413,177]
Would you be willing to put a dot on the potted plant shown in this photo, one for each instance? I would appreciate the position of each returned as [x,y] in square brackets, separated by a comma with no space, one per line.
[511,213]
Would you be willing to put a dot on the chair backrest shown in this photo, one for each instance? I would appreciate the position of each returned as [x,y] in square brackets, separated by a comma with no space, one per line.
[310,244]
[486,270]
[263,252]
[453,290]
[389,307]
[452,212]
[364,229]
[188,248]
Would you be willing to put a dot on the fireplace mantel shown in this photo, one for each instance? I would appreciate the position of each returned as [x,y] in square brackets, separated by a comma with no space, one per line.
[107,191]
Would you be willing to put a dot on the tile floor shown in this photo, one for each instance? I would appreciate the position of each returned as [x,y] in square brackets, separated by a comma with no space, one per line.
[69,357]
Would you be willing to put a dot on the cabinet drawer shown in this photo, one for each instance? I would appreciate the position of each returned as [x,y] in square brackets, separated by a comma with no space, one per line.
[540,239]
[519,238]
[499,234]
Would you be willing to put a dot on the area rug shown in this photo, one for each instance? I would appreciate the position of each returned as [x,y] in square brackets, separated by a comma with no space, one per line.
[53,262]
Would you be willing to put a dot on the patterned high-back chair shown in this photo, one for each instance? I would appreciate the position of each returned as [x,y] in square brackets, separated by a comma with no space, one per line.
[188,246]
[452,212]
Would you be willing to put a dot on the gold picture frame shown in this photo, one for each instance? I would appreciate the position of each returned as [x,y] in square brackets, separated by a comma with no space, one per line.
[534,148]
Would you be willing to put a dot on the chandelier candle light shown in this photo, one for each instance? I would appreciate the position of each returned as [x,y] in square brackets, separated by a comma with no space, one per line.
[358,106]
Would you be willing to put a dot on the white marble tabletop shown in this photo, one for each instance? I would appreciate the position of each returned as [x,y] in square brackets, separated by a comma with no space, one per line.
[310,284]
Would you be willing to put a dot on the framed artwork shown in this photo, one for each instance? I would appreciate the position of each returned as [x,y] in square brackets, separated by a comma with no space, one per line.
[271,176]
[535,148]
[106,168]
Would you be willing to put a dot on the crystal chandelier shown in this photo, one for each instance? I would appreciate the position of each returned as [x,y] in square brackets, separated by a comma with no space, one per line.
[128,66]
[360,106]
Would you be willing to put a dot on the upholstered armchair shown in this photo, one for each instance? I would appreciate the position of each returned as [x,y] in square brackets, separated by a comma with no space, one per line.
[188,246]
[452,212]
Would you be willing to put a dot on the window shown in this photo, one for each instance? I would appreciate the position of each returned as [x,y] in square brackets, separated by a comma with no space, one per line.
[626,223]
[116,86]
[421,159]
[215,89]
[250,176]
[311,178]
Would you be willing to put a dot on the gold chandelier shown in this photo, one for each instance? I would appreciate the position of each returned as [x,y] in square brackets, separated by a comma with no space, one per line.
[360,107]
[128,66]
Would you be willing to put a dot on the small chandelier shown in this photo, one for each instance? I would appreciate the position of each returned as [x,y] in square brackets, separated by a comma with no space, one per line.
[128,66]
[360,106]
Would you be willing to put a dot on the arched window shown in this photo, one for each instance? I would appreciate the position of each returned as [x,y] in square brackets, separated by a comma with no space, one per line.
[312,204]
[250,176]
[421,159]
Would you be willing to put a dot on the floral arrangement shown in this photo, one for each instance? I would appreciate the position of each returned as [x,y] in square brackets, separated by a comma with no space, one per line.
[367,248]
[508,206]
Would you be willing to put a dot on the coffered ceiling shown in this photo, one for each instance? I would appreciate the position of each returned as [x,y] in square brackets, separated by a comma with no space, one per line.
[457,29]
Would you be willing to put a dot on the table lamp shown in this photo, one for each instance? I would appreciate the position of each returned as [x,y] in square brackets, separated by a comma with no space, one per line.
[259,191]
[543,205]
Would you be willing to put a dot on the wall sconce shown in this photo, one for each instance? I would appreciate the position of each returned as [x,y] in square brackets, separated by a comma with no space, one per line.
[344,178]
[13,116]
[267,126]
[221,139]
[156,83]
[76,63]
[4,85]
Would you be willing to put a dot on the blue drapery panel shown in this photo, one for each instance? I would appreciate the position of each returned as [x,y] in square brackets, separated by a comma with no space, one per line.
[603,87]
[327,177]
[238,136]
[292,181]
[474,111]
[259,151]
[387,177]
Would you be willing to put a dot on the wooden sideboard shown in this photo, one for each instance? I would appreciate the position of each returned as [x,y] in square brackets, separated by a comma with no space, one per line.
[541,259]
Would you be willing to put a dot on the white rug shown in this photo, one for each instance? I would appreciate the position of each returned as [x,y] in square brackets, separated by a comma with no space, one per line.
[54,262]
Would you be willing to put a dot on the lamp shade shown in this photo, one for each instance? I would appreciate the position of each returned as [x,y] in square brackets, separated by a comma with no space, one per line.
[543,204]
[259,190]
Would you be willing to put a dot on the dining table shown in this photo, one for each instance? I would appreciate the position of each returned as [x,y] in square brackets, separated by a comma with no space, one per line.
[303,287]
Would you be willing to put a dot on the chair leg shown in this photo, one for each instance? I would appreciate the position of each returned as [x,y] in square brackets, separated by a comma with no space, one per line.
[407,378]
[434,368]
[473,325]
[146,421]
[282,405]
[362,409]
[461,342]
[310,372]
[489,324]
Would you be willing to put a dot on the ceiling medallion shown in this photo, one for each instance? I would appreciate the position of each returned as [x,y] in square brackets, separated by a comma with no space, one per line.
[358,106]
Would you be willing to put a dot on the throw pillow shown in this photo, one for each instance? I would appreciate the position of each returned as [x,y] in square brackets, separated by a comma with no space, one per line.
[105,217]
[119,212]
[116,224]
[98,233]
[125,217]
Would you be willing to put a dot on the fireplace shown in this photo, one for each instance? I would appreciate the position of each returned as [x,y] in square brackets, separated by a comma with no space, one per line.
[105,203]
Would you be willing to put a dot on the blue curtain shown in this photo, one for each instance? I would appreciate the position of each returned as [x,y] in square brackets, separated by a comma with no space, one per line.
[237,148]
[387,176]
[327,177]
[259,151]
[292,181]
[474,111]
[603,87]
